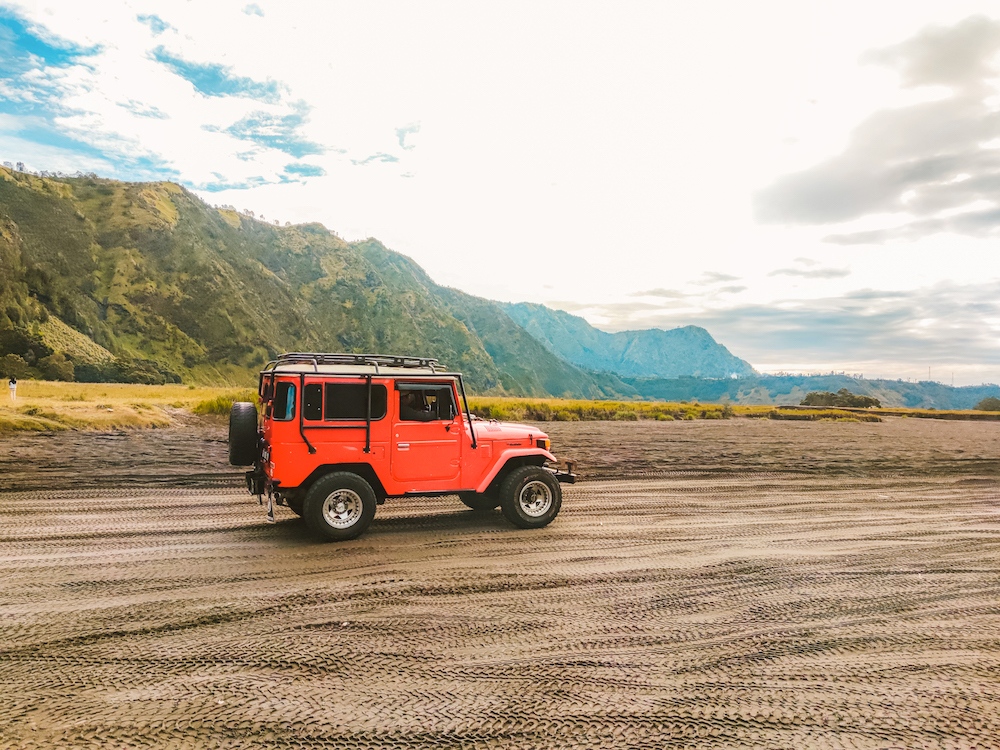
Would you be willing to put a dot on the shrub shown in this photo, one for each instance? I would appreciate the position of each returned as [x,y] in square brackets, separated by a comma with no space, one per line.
[56,367]
[990,403]
[13,364]
[843,397]
[223,404]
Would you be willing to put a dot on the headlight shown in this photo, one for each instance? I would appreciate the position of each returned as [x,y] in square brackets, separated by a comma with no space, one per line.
[543,443]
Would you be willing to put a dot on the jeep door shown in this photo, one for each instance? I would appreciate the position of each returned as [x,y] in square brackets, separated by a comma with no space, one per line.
[426,436]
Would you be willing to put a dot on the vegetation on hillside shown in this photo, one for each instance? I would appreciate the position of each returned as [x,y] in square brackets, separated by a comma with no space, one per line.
[153,285]
[990,403]
[843,397]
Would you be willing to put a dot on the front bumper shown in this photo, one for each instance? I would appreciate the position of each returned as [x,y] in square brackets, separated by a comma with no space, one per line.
[565,477]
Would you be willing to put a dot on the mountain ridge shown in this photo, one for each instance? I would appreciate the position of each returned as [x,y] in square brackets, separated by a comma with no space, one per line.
[152,274]
[653,352]
[145,282]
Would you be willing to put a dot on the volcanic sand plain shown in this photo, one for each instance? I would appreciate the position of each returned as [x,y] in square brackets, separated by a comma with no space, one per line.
[710,584]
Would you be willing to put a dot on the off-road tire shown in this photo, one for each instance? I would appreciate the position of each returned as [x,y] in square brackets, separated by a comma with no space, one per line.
[243,441]
[480,500]
[530,497]
[339,506]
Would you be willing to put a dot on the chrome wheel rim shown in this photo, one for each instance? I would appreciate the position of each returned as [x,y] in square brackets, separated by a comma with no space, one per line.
[535,498]
[342,508]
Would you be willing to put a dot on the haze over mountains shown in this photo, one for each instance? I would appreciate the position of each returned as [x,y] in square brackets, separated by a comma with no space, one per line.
[146,282]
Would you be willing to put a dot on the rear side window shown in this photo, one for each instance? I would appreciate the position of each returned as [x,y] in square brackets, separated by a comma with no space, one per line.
[282,407]
[312,401]
[342,401]
[350,401]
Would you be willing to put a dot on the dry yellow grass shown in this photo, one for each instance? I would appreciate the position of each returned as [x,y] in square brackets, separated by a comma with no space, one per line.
[44,405]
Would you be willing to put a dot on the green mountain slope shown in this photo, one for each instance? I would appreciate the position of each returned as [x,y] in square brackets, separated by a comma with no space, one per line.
[150,272]
[650,353]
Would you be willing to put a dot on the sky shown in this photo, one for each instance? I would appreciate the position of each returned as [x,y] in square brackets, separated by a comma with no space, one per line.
[814,183]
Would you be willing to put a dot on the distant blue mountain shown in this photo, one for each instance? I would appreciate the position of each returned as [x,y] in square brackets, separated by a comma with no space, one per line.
[653,353]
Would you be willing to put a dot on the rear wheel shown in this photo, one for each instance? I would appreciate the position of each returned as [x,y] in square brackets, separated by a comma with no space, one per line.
[339,506]
[480,500]
[530,497]
[243,434]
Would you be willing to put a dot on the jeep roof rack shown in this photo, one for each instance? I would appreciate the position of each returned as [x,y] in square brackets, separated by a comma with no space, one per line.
[341,358]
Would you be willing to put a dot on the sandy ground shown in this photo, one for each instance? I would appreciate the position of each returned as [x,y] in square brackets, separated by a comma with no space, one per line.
[711,584]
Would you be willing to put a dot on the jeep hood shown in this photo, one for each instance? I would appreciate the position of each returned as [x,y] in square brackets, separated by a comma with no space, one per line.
[505,431]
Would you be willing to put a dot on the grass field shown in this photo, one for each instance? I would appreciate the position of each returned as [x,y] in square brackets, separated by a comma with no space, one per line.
[52,406]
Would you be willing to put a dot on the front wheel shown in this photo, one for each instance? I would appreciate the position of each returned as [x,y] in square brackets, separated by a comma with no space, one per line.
[530,497]
[339,506]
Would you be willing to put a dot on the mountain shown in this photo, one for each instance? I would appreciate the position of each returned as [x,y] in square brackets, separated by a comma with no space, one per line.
[651,353]
[145,280]
[791,389]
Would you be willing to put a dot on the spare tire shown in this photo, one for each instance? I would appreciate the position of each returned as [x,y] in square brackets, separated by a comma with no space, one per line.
[243,444]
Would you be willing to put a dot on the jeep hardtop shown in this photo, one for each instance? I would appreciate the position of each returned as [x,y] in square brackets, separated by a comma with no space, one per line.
[338,434]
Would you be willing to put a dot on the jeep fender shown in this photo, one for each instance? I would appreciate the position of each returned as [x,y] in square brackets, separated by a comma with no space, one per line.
[515,458]
[365,471]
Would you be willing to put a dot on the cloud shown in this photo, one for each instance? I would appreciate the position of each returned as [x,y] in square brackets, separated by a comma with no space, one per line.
[212,79]
[932,163]
[381,157]
[275,131]
[26,46]
[141,109]
[305,170]
[714,277]
[156,24]
[940,325]
[814,273]
[616,312]
[221,183]
[956,57]
[254,10]
[145,112]
[404,131]
[731,289]
[665,293]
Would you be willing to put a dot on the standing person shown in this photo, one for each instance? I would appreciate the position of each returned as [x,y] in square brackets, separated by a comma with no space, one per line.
[13,388]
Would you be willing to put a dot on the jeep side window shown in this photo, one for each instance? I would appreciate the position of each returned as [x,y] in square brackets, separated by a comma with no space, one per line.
[423,405]
[312,401]
[282,407]
[350,401]
[442,403]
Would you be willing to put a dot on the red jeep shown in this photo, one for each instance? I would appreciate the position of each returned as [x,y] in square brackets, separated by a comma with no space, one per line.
[340,433]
